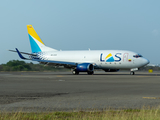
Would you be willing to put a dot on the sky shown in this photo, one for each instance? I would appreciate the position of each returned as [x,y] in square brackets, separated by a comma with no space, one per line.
[81,24]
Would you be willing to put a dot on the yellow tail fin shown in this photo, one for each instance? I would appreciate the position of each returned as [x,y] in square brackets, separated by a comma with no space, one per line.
[35,41]
[33,33]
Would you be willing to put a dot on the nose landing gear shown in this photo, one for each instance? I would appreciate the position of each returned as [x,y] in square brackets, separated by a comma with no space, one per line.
[133,71]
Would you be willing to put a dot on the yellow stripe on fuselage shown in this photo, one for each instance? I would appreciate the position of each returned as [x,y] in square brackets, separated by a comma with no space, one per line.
[33,33]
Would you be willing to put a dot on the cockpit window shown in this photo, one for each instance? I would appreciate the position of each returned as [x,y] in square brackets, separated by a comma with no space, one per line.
[137,56]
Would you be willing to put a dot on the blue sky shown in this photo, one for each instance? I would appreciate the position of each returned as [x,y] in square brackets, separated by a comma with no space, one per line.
[78,25]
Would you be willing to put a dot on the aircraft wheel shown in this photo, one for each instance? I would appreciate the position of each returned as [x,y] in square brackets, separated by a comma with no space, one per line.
[90,73]
[75,72]
[132,73]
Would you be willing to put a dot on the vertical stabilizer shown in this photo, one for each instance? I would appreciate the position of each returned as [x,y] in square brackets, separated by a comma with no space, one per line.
[35,41]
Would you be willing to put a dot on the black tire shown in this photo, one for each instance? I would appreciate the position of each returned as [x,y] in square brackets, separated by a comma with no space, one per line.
[90,73]
[132,73]
[75,72]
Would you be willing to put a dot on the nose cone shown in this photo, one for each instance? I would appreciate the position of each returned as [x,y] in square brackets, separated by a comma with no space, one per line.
[145,61]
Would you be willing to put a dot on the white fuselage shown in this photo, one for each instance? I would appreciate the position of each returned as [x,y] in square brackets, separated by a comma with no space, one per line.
[101,59]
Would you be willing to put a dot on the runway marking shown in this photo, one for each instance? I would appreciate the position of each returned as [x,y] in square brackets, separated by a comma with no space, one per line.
[151,97]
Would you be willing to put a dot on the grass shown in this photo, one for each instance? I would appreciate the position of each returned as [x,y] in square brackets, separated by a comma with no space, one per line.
[129,114]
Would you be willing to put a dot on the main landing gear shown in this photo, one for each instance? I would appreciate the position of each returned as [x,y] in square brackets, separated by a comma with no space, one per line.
[90,73]
[75,72]
[132,73]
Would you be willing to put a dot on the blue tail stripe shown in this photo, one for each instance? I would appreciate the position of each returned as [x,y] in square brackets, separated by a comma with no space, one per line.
[35,48]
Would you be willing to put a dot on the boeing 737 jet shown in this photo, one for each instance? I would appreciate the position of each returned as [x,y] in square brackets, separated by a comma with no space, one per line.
[82,61]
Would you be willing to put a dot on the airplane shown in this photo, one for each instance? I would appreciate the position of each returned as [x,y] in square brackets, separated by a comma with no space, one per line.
[83,60]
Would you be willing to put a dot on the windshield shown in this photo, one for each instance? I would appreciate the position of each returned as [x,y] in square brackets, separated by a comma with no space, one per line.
[137,56]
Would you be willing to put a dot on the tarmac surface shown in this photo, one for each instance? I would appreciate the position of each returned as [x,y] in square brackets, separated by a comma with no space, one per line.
[62,91]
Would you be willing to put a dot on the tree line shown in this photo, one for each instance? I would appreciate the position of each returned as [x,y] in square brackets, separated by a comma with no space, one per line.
[16,65]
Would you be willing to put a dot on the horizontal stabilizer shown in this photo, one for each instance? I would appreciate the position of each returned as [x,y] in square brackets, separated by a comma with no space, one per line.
[23,53]
[21,56]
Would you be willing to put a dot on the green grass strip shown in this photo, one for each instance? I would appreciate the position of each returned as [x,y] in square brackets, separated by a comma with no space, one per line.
[129,114]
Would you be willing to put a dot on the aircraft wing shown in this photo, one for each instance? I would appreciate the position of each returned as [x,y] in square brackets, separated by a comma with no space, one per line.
[58,64]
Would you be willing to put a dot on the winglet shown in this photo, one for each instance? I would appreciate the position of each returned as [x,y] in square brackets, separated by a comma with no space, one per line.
[20,55]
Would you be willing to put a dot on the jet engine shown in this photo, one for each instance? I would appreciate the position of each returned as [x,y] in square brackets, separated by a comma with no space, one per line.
[84,67]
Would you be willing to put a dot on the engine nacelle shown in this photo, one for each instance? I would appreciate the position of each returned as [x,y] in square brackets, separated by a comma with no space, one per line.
[84,67]
[111,70]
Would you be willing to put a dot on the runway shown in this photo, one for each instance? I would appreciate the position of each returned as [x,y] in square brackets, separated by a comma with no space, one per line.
[62,91]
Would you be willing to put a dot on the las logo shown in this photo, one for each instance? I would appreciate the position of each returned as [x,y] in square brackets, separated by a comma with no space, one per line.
[109,58]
